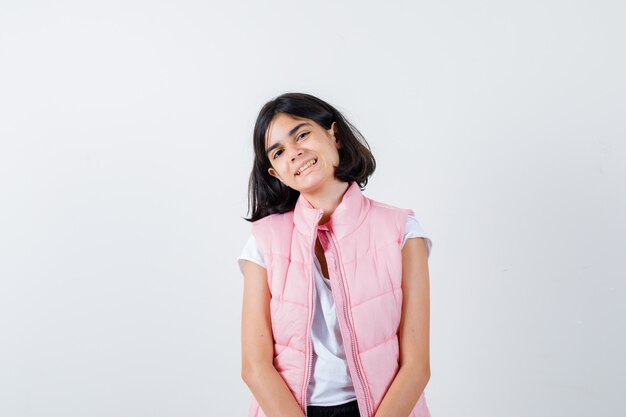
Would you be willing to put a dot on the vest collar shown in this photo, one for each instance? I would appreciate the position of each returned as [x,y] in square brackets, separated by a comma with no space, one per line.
[348,215]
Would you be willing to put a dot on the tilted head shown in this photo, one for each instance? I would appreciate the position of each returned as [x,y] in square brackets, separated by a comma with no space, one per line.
[294,130]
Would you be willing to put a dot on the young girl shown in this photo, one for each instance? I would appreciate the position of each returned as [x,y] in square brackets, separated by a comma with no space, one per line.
[335,318]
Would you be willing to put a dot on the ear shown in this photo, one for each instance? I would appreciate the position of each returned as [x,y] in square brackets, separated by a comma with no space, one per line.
[274,174]
[333,132]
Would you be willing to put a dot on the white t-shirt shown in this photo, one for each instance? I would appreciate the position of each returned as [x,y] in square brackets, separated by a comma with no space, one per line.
[330,383]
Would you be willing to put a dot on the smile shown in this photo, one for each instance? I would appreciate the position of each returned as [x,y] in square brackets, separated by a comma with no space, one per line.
[306,166]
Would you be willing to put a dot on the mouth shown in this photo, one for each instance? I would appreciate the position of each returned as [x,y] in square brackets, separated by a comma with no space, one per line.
[305,167]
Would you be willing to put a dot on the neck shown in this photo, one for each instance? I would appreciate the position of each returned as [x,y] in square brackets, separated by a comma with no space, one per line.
[327,199]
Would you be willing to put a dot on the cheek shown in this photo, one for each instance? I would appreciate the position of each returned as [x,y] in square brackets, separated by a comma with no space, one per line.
[280,169]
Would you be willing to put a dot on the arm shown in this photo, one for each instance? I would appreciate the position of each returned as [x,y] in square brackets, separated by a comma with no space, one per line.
[414,371]
[257,348]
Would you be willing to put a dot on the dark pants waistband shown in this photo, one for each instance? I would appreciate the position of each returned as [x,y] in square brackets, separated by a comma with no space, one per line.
[350,409]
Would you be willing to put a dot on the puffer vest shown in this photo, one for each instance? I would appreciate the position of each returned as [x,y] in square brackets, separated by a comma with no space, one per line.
[362,245]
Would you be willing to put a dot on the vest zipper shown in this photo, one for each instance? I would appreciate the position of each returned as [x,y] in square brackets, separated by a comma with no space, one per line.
[348,327]
[309,356]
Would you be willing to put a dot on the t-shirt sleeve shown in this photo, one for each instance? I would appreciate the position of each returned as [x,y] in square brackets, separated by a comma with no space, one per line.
[250,252]
[413,228]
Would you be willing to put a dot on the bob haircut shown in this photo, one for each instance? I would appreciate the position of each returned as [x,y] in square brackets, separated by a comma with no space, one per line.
[266,194]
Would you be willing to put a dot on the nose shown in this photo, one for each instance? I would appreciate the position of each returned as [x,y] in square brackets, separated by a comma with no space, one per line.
[294,153]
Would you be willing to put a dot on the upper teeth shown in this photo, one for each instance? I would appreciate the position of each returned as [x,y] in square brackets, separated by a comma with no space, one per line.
[308,164]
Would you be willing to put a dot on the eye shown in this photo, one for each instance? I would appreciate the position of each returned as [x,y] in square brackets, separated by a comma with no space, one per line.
[298,138]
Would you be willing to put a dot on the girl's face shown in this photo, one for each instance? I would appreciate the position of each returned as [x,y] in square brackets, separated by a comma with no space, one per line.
[302,153]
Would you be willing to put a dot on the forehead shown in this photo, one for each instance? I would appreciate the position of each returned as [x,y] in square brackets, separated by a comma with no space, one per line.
[280,127]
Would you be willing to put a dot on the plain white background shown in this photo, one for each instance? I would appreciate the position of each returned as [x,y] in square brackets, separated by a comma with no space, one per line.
[125,151]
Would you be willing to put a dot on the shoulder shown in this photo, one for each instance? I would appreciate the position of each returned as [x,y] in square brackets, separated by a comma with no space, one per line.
[250,252]
[398,214]
[413,229]
[270,231]
[389,209]
[388,218]
[272,221]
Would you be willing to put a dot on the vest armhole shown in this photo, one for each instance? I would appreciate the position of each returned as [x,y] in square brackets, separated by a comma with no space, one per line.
[403,218]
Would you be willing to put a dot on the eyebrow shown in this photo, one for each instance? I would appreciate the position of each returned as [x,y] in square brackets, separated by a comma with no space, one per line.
[291,132]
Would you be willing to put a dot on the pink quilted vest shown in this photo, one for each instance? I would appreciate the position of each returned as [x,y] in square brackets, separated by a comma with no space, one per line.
[362,244]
